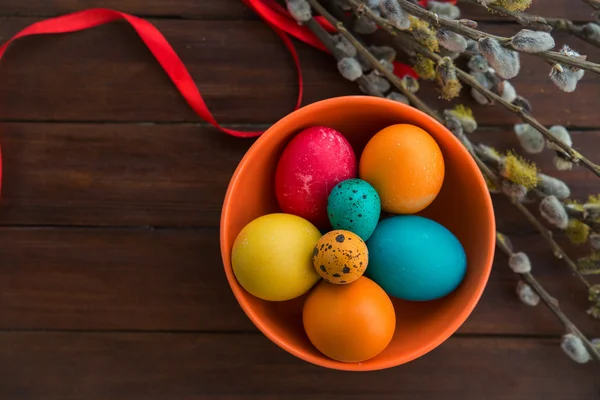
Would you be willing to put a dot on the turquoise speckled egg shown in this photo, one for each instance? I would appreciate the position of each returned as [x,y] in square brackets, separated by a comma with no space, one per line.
[415,258]
[354,205]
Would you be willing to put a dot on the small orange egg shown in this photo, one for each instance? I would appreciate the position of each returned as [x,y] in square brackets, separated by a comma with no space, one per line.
[406,167]
[349,323]
[340,256]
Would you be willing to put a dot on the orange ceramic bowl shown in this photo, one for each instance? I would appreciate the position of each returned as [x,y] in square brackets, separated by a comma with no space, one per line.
[463,205]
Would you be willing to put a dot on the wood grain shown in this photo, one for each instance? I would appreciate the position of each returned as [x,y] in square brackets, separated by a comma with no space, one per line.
[167,175]
[138,279]
[235,9]
[204,9]
[70,366]
[242,69]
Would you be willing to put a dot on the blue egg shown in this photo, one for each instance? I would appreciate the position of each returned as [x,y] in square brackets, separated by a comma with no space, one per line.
[415,258]
[354,205]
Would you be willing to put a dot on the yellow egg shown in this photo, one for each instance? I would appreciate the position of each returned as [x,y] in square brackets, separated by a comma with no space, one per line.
[272,256]
[340,256]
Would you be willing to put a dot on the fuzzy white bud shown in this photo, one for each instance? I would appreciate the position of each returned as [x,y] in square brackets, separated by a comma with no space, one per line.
[344,45]
[444,10]
[561,133]
[478,63]
[565,78]
[554,212]
[392,11]
[489,153]
[507,91]
[529,41]
[387,65]
[378,82]
[505,62]
[483,81]
[410,83]
[519,263]
[592,30]
[383,52]
[364,26]
[455,126]
[451,41]
[444,52]
[530,138]
[561,164]
[573,346]
[349,68]
[567,51]
[372,3]
[553,187]
[595,240]
[400,98]
[527,295]
[479,98]
[299,9]
[514,190]
[472,44]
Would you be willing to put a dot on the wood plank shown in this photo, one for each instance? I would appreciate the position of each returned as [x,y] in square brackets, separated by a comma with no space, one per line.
[241,68]
[125,366]
[234,9]
[575,10]
[205,9]
[167,175]
[110,279]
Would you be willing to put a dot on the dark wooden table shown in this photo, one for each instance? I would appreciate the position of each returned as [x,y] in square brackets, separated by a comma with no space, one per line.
[111,282]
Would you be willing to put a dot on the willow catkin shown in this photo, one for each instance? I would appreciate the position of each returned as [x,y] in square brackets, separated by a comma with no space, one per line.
[529,41]
[505,62]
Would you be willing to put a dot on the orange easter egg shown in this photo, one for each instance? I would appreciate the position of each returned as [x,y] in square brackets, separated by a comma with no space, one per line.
[349,323]
[406,167]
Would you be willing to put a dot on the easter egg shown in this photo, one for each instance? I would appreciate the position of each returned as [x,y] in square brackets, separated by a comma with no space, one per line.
[312,163]
[354,205]
[415,258]
[340,256]
[272,256]
[406,167]
[349,323]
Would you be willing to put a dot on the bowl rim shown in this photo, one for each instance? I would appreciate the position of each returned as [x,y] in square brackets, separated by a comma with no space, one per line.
[323,361]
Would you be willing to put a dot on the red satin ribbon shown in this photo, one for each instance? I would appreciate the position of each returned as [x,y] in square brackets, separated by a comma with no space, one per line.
[276,16]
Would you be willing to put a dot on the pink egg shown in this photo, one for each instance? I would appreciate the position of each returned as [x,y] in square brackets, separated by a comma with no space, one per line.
[316,160]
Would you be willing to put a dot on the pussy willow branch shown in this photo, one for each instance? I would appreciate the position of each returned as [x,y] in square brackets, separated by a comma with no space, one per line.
[546,234]
[394,80]
[475,34]
[576,30]
[375,64]
[327,41]
[557,250]
[543,24]
[550,302]
[575,156]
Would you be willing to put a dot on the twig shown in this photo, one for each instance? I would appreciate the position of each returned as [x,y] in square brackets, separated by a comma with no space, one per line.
[373,61]
[547,234]
[550,302]
[576,30]
[457,27]
[327,41]
[543,24]
[576,157]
